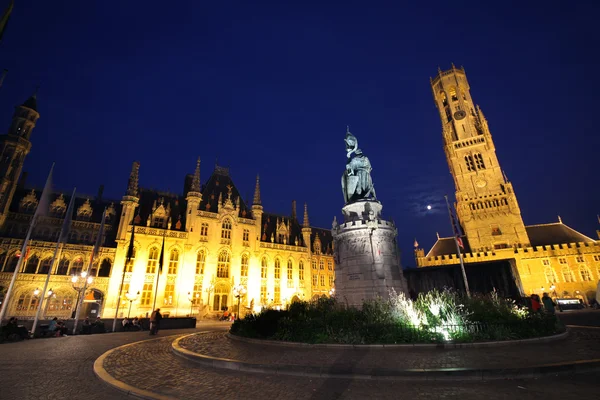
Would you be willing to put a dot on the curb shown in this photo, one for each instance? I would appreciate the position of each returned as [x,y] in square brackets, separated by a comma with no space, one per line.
[123,387]
[544,339]
[387,373]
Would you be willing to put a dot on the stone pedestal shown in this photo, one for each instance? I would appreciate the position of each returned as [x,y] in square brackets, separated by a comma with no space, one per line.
[367,260]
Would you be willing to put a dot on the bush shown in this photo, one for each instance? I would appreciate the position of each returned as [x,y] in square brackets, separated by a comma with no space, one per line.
[436,316]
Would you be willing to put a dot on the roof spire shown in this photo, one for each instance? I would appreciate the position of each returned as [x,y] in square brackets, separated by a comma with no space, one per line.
[132,186]
[196,180]
[256,201]
[306,223]
[559,219]
[5,18]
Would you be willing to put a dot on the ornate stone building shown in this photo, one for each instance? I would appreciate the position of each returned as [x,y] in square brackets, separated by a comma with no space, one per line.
[213,243]
[549,257]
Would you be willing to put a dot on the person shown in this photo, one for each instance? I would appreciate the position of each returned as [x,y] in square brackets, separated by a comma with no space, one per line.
[536,306]
[135,324]
[13,328]
[52,325]
[126,324]
[61,328]
[86,329]
[549,304]
[155,321]
[225,316]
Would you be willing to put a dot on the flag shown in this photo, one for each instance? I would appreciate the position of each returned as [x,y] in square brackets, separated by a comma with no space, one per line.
[66,226]
[130,249]
[416,244]
[100,236]
[44,203]
[161,258]
[5,18]
[455,226]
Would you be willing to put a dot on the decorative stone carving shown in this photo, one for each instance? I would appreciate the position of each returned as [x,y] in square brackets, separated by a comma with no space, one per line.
[29,202]
[58,206]
[356,181]
[84,212]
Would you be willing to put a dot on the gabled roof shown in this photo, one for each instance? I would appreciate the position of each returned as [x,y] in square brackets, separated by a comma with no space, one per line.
[149,196]
[554,233]
[268,228]
[217,185]
[446,246]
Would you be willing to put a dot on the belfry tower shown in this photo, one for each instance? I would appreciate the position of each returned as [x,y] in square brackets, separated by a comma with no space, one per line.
[486,204]
[14,146]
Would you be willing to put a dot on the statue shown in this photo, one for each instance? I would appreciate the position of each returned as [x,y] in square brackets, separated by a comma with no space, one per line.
[356,181]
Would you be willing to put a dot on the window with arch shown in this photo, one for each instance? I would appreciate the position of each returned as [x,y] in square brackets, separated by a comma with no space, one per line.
[301,271]
[173,262]
[321,265]
[129,263]
[200,261]
[27,302]
[220,298]
[32,264]
[314,264]
[444,99]
[549,274]
[290,271]
[263,268]
[77,266]
[152,260]
[63,267]
[585,273]
[60,302]
[277,268]
[223,264]
[12,263]
[330,265]
[244,266]
[226,229]
[45,265]
[105,267]
[567,274]
[453,95]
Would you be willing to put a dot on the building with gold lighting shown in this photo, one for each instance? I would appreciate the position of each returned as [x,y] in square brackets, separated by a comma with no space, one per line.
[549,257]
[214,243]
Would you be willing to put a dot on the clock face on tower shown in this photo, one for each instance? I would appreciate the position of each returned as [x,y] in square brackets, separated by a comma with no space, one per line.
[460,114]
[480,183]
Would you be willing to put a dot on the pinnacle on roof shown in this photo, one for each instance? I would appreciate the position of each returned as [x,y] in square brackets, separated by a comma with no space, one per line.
[132,186]
[31,102]
[256,200]
[306,223]
[196,179]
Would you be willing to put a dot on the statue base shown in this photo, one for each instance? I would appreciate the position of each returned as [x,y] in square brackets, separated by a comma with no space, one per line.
[367,259]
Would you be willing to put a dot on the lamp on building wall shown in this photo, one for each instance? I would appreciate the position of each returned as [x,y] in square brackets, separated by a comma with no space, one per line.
[131,297]
[36,292]
[331,292]
[193,299]
[239,291]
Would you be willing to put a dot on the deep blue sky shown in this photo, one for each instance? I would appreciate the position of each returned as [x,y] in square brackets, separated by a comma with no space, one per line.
[269,88]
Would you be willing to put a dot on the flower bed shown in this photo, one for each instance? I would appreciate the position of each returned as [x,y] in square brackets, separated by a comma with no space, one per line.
[435,317]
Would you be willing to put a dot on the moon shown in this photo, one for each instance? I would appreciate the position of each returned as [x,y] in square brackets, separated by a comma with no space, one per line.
[429,206]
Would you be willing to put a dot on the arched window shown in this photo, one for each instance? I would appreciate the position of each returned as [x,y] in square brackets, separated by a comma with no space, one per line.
[45,266]
[277,268]
[129,264]
[152,261]
[263,268]
[60,302]
[220,297]
[244,267]
[77,266]
[567,274]
[27,302]
[453,95]
[301,271]
[32,264]
[585,273]
[321,265]
[290,271]
[12,263]
[444,99]
[200,260]
[226,229]
[549,274]
[173,262]
[105,267]
[63,267]
[223,265]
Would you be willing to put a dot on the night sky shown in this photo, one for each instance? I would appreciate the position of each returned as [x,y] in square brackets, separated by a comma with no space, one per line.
[269,88]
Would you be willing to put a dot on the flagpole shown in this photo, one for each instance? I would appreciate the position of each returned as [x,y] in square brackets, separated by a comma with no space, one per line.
[38,210]
[159,270]
[127,259]
[56,249]
[462,265]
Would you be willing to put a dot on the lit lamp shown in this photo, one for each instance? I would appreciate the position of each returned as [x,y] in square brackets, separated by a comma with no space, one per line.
[239,291]
[79,284]
[131,297]
[331,292]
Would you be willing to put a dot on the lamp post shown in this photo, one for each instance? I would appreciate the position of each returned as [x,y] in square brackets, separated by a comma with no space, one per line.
[193,300]
[49,294]
[239,291]
[208,290]
[131,298]
[79,284]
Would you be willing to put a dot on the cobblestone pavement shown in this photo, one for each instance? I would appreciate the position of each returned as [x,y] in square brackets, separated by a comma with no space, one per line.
[152,366]
[581,344]
[60,368]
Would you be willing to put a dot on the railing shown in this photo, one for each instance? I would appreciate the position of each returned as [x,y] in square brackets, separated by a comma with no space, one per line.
[159,232]
[283,247]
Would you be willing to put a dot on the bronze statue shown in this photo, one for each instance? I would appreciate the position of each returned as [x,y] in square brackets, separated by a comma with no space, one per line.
[356,181]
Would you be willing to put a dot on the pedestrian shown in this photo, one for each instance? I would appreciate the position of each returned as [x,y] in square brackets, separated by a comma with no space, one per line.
[155,321]
[549,304]
[535,303]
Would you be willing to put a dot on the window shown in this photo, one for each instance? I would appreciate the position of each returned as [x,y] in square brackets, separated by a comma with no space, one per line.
[330,280]
[579,259]
[44,266]
[77,267]
[27,302]
[263,268]
[226,229]
[12,264]
[32,265]
[301,271]
[314,264]
[60,303]
[146,298]
[223,265]
[549,274]
[152,261]
[197,294]
[277,295]
[469,162]
[277,268]
[158,222]
[562,260]
[567,274]
[169,294]
[290,271]
[321,265]
[596,258]
[63,267]
[546,262]
[173,262]
[263,294]
[129,264]
[330,265]
[124,291]
[479,161]
[204,229]
[585,274]
[105,267]
[246,236]
[496,231]
[200,260]
[314,280]
[444,99]
[322,280]
[453,96]
[244,269]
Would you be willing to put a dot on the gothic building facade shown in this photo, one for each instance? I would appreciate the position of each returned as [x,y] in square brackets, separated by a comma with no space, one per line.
[215,245]
[549,257]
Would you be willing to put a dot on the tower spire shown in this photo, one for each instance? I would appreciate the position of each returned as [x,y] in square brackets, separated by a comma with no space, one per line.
[306,223]
[256,201]
[5,18]
[132,185]
[196,180]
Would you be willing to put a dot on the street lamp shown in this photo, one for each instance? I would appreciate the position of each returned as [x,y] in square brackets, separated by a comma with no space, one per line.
[239,291]
[208,290]
[193,300]
[331,292]
[79,284]
[131,297]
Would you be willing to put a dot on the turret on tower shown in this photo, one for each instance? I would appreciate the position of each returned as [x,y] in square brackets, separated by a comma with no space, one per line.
[194,198]
[306,229]
[130,201]
[486,204]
